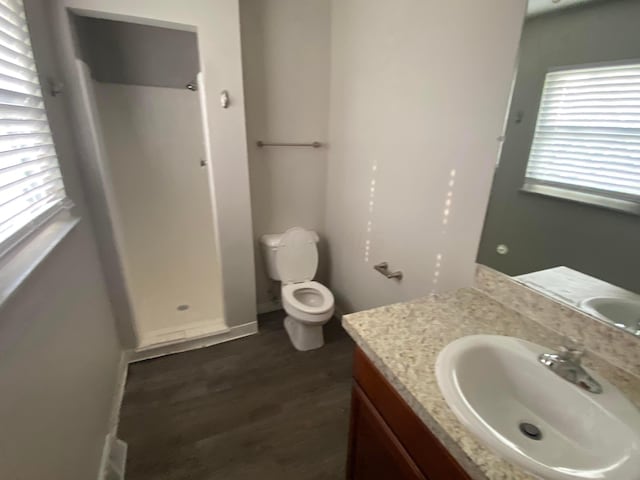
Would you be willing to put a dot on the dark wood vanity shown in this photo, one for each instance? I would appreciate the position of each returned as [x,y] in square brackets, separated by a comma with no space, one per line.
[387,440]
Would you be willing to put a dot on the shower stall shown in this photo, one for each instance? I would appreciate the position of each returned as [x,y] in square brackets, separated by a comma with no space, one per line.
[141,91]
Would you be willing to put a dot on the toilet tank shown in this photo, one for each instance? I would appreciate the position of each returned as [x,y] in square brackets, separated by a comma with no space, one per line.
[269,244]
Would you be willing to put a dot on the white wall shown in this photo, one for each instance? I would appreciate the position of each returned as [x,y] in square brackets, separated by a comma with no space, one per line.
[154,145]
[217,25]
[59,349]
[419,92]
[286,62]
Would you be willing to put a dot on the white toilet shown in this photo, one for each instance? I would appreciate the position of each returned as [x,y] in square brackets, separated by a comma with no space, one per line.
[292,258]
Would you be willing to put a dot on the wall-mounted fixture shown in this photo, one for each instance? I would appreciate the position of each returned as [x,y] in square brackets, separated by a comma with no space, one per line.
[502,249]
[55,86]
[383,268]
[261,144]
[224,99]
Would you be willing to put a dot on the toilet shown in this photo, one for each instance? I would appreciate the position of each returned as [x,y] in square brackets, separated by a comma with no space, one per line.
[292,258]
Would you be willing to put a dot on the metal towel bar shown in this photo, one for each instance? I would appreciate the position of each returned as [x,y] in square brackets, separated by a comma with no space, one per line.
[261,144]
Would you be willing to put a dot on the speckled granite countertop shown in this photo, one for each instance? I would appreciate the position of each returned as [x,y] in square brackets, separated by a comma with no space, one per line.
[403,341]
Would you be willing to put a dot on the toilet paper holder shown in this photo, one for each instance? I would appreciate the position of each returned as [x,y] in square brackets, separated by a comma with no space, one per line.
[383,268]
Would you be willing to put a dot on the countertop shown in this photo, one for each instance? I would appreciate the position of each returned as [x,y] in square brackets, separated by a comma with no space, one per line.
[403,341]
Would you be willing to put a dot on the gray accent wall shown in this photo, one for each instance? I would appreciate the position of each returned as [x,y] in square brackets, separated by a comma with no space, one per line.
[134,54]
[543,232]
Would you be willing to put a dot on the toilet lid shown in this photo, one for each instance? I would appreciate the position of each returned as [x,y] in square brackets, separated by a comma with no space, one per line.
[297,257]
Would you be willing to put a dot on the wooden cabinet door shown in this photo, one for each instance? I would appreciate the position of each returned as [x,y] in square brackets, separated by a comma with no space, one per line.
[421,445]
[375,452]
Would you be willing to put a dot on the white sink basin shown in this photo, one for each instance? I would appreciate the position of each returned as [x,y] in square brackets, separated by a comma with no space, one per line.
[622,312]
[495,384]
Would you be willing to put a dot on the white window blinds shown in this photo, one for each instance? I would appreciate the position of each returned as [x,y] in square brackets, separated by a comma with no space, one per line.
[31,187]
[587,136]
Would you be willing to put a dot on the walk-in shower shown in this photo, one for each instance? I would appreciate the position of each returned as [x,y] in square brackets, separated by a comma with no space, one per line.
[142,87]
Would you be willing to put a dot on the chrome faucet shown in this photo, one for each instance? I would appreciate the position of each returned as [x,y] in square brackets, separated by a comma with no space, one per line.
[568,365]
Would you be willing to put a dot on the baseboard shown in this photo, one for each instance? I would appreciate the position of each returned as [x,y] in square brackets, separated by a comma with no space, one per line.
[104,459]
[184,333]
[270,306]
[117,460]
[121,381]
[231,333]
[114,417]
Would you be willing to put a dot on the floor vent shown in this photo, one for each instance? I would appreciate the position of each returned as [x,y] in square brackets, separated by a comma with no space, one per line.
[117,461]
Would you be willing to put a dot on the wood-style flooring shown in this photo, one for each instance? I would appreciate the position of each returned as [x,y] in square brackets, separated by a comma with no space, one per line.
[254,408]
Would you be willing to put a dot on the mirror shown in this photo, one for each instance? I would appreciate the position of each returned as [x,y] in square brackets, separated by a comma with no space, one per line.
[564,211]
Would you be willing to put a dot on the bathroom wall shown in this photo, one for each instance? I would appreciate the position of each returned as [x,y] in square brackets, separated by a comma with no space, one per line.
[164,208]
[217,26]
[286,64]
[419,93]
[59,361]
[59,351]
[544,232]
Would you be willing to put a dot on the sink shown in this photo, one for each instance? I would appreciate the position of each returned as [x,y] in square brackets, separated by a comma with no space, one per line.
[533,418]
[622,312]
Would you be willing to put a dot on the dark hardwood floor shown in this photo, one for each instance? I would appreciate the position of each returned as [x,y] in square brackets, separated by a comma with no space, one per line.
[253,408]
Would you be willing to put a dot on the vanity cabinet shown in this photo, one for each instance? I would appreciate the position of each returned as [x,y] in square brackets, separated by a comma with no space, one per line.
[386,439]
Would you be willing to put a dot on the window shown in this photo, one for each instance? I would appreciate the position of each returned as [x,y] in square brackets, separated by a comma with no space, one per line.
[31,188]
[586,145]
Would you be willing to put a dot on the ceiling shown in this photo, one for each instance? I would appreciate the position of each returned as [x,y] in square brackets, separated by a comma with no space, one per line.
[537,7]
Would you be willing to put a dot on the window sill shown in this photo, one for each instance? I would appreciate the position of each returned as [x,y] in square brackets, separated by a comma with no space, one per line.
[23,260]
[619,205]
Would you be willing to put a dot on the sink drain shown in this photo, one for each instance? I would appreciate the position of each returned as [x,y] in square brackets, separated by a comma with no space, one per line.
[529,430]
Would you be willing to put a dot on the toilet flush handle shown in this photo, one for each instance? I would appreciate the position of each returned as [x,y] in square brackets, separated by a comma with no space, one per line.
[383,268]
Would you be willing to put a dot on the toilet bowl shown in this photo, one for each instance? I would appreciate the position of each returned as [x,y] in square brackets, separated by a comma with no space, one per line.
[292,258]
[309,306]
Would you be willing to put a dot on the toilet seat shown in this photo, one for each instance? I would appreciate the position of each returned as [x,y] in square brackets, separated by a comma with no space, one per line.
[291,294]
[297,259]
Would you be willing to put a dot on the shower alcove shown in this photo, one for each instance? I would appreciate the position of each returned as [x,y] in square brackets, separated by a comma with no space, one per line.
[141,92]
